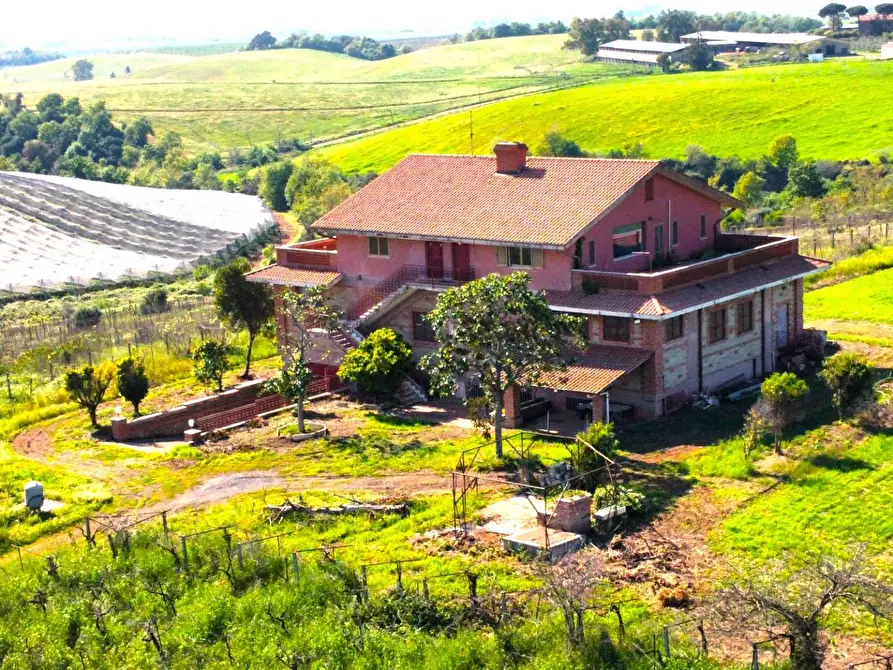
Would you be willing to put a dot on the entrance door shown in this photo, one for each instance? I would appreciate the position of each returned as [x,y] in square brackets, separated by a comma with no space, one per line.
[434,260]
[462,262]
[781,326]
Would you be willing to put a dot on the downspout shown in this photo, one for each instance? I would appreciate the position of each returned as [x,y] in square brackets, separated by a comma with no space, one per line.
[607,407]
[700,350]
[763,332]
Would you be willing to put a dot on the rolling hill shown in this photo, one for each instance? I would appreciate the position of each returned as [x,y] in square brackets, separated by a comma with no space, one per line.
[832,108]
[244,98]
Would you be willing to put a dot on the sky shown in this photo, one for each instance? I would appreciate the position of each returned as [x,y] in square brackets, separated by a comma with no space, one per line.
[101,24]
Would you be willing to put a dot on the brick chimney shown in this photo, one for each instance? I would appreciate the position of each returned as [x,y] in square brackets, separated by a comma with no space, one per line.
[511,157]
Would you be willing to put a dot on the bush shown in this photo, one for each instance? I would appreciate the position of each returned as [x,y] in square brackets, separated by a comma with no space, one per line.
[848,376]
[85,317]
[154,302]
[133,384]
[379,363]
[209,362]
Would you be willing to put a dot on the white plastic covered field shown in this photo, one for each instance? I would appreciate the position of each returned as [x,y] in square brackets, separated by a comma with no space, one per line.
[59,230]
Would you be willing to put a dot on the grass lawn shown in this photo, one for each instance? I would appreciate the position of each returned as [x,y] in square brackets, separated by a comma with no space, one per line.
[730,112]
[868,298]
[239,99]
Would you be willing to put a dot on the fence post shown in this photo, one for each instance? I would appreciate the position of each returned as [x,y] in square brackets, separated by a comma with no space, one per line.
[295,565]
[667,641]
[399,577]
[365,584]
[473,589]
[87,533]
[755,662]
[185,553]
[112,546]
[164,523]
[239,556]
[703,636]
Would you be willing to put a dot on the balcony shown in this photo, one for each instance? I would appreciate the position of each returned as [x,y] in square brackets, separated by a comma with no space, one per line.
[311,254]
[737,252]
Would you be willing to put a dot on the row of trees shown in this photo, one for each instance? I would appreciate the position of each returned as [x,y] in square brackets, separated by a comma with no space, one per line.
[357,47]
[26,56]
[514,29]
[680,22]
[834,12]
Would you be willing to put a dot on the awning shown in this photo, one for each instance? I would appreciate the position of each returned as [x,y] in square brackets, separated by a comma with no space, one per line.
[280,275]
[596,369]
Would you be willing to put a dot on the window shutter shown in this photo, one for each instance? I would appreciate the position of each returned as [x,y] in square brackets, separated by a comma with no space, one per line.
[536,258]
[501,256]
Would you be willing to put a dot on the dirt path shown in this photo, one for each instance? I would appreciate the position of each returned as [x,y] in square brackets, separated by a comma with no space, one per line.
[663,455]
[220,488]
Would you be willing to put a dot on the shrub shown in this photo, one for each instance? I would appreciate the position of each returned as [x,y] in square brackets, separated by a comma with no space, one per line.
[781,393]
[88,385]
[379,363]
[155,301]
[209,362]
[85,317]
[848,376]
[133,384]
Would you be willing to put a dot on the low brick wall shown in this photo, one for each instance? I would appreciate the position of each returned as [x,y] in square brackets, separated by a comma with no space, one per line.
[176,420]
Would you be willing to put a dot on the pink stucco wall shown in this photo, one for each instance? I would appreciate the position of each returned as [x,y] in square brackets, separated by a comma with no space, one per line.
[686,205]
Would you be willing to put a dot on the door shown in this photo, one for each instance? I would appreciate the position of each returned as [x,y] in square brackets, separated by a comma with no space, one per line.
[462,262]
[434,260]
[781,326]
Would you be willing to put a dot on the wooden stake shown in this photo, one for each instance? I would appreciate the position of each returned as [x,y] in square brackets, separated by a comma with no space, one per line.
[295,565]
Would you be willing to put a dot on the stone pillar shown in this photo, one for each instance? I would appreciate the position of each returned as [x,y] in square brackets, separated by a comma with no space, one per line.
[512,404]
[598,408]
[119,429]
[573,515]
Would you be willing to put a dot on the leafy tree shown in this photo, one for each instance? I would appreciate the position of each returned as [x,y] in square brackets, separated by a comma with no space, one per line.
[834,13]
[885,9]
[88,385]
[749,189]
[648,35]
[673,24]
[804,181]
[556,144]
[616,27]
[82,70]
[781,393]
[800,594]
[379,363]
[138,132]
[501,331]
[585,35]
[848,376]
[310,317]
[856,11]
[783,151]
[698,56]
[273,181]
[155,301]
[50,108]
[209,363]
[133,383]
[242,304]
[261,41]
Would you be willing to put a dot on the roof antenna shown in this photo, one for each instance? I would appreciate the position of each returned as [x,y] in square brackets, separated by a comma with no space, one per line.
[471,129]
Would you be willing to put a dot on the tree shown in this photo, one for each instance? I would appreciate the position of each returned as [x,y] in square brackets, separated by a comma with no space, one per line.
[499,330]
[310,318]
[885,9]
[138,132]
[849,378]
[856,11]
[273,180]
[834,13]
[556,144]
[133,384]
[571,586]
[261,41]
[673,24]
[242,304]
[82,70]
[585,35]
[88,385]
[749,189]
[783,151]
[698,56]
[379,364]
[781,393]
[648,35]
[800,594]
[209,363]
[804,181]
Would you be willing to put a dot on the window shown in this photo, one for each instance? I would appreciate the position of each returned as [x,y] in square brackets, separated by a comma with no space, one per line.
[673,328]
[378,246]
[744,320]
[717,325]
[421,329]
[616,329]
[592,252]
[519,257]
[629,239]
[658,239]
[674,234]
[703,226]
[649,190]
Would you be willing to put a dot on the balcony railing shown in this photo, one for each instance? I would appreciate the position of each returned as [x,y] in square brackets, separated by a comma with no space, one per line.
[429,276]
[313,253]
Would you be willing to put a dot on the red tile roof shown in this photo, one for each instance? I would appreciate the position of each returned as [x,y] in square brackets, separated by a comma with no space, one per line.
[595,370]
[280,275]
[688,297]
[463,198]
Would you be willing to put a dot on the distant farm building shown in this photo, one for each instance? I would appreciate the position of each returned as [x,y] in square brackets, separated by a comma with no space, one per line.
[723,40]
[635,51]
[887,51]
[56,231]
[875,24]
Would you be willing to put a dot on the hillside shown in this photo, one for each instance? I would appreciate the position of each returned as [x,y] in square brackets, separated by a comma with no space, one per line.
[243,98]
[831,108]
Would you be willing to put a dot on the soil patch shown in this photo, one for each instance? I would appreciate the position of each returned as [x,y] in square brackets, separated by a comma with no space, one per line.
[33,443]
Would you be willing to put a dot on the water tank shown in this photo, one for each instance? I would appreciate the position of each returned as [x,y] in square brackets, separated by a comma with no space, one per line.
[34,495]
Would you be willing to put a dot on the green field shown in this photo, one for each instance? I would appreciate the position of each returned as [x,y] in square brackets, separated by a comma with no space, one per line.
[868,298]
[240,99]
[831,108]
